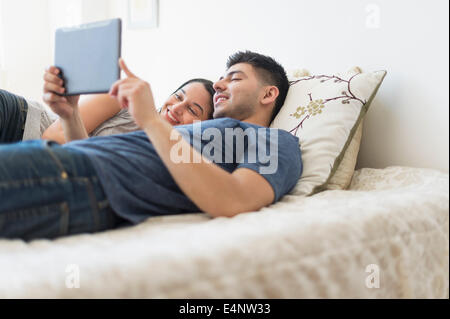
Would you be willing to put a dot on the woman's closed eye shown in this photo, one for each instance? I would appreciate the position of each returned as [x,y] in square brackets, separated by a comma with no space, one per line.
[192,111]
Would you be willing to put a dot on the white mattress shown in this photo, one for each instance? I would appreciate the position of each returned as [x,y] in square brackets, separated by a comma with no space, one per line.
[317,247]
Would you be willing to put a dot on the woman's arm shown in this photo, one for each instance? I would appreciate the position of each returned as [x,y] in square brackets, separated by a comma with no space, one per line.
[93,111]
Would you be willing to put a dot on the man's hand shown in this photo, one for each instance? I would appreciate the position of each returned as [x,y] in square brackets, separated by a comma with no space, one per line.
[136,95]
[53,87]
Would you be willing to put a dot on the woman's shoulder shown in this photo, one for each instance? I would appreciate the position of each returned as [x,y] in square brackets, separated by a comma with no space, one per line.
[121,122]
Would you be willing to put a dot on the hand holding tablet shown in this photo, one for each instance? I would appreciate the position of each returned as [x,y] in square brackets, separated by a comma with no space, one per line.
[54,90]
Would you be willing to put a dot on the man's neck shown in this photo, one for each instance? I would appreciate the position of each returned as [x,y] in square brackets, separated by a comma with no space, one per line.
[257,119]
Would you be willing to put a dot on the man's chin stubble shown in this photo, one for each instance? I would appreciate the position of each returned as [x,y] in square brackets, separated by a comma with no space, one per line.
[219,114]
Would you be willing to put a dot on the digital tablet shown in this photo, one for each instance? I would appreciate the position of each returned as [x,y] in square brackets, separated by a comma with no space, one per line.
[88,56]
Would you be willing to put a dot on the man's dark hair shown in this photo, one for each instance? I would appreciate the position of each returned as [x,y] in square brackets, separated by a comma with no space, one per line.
[269,71]
[208,86]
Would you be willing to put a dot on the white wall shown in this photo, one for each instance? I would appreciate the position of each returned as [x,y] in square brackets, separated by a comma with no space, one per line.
[408,121]
[25,45]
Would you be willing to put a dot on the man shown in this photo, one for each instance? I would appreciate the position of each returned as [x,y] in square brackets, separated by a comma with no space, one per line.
[48,190]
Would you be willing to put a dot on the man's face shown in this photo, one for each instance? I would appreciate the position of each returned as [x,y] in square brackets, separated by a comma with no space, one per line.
[237,93]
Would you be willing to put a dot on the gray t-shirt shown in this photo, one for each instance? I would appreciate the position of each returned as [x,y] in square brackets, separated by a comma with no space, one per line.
[40,117]
[138,184]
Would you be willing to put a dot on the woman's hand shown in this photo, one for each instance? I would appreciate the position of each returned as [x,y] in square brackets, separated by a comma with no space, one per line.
[64,106]
[136,95]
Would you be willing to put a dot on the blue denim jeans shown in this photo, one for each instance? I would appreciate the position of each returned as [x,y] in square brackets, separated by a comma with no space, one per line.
[13,113]
[48,191]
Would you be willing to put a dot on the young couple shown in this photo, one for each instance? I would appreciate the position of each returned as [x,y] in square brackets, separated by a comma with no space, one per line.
[100,114]
[93,184]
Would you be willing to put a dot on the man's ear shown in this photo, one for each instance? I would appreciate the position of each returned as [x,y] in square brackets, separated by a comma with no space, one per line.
[270,95]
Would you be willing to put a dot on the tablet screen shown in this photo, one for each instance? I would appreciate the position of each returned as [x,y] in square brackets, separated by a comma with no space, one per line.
[88,56]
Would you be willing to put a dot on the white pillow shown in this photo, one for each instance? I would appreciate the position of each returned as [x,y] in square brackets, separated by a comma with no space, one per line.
[342,178]
[325,111]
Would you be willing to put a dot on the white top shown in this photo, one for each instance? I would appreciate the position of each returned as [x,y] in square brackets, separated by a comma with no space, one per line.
[40,117]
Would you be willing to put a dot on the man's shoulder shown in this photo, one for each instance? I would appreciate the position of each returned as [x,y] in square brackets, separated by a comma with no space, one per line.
[220,122]
[227,122]
[223,121]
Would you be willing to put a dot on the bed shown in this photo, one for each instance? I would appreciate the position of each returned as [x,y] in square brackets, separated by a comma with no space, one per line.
[387,236]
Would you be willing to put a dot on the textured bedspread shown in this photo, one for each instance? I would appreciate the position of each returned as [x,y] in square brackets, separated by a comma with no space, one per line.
[390,230]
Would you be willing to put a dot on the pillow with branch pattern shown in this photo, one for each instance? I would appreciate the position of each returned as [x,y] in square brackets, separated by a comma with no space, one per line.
[325,112]
[342,178]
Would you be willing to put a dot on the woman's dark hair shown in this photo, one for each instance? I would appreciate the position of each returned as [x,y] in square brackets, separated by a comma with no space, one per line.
[208,86]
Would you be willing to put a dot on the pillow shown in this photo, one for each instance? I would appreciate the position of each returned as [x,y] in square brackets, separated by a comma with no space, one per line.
[342,178]
[326,113]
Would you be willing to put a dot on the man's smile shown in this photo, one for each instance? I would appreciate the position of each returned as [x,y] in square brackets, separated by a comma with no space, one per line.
[220,98]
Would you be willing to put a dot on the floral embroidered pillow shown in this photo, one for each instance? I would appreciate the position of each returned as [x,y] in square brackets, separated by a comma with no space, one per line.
[342,178]
[324,112]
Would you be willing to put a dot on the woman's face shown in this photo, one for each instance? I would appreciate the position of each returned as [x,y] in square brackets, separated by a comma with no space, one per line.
[190,103]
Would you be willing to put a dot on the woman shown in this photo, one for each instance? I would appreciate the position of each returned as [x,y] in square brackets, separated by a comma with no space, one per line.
[101,114]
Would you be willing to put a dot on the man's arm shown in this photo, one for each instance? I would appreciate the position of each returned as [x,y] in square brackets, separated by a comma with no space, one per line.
[212,189]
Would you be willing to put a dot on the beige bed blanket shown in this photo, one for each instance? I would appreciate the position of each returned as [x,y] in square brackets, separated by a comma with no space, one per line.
[317,247]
